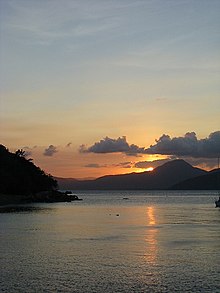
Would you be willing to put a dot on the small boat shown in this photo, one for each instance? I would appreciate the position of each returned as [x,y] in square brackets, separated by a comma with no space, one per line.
[217,203]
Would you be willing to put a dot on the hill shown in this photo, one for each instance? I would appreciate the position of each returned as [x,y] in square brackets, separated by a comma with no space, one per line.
[210,181]
[21,181]
[66,183]
[161,177]
[20,176]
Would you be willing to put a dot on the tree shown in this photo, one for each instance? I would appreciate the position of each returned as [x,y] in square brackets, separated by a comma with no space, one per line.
[19,175]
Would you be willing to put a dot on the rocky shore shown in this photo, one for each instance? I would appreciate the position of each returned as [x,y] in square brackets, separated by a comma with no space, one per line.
[44,197]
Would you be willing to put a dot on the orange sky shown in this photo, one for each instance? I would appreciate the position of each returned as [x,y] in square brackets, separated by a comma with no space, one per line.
[112,69]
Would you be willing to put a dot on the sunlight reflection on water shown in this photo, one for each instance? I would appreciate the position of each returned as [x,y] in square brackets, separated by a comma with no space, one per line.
[144,244]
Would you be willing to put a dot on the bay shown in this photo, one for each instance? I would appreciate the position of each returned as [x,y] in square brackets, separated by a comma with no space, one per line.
[113,241]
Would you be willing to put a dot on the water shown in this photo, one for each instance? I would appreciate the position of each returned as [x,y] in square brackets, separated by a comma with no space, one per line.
[150,242]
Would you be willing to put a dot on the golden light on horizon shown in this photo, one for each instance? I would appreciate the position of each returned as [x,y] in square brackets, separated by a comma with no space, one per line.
[141,170]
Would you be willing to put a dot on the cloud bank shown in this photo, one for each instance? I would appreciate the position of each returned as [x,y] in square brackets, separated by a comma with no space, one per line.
[110,145]
[184,146]
[50,151]
[187,146]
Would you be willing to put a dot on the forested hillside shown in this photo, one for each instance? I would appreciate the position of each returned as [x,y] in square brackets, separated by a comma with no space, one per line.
[19,175]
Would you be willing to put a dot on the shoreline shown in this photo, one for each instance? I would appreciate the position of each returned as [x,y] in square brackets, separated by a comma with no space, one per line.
[52,196]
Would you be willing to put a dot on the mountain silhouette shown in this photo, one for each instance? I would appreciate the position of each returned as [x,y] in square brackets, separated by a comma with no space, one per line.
[210,181]
[162,177]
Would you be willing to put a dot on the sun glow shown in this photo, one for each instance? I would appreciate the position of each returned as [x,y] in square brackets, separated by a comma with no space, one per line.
[140,170]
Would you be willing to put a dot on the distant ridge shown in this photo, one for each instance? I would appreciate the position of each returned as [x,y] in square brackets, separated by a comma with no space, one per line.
[162,177]
[210,181]
[65,183]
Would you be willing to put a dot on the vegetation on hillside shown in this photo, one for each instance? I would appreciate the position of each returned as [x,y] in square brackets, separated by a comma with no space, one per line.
[19,175]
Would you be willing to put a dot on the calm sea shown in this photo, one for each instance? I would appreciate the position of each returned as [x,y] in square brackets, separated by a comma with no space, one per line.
[148,242]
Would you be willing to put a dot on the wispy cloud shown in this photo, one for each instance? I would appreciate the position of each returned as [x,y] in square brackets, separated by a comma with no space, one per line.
[154,164]
[95,165]
[120,165]
[53,20]
[126,165]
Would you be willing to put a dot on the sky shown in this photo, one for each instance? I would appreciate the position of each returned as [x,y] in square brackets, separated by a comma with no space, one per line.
[96,87]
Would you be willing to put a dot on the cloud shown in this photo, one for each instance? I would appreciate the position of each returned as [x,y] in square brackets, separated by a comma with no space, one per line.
[154,164]
[184,146]
[187,146]
[110,145]
[124,165]
[94,165]
[204,163]
[69,145]
[121,165]
[28,151]
[34,21]
[50,151]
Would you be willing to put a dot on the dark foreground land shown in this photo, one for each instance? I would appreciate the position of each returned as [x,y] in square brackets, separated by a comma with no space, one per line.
[21,181]
[42,197]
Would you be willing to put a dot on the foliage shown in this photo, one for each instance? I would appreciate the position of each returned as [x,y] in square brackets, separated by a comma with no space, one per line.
[19,175]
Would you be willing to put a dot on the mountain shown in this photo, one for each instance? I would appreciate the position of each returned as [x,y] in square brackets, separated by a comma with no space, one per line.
[66,183]
[161,177]
[210,181]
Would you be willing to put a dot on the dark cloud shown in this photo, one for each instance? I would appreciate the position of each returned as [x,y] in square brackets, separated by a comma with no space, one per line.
[124,165]
[184,146]
[110,145]
[94,165]
[50,151]
[187,146]
[121,165]
[154,164]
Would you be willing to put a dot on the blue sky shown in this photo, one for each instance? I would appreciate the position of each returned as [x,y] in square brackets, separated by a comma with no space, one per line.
[78,71]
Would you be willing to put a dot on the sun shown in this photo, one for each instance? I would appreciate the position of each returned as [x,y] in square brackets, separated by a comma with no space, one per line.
[141,170]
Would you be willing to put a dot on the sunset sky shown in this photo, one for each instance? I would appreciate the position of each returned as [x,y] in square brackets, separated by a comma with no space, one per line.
[96,87]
